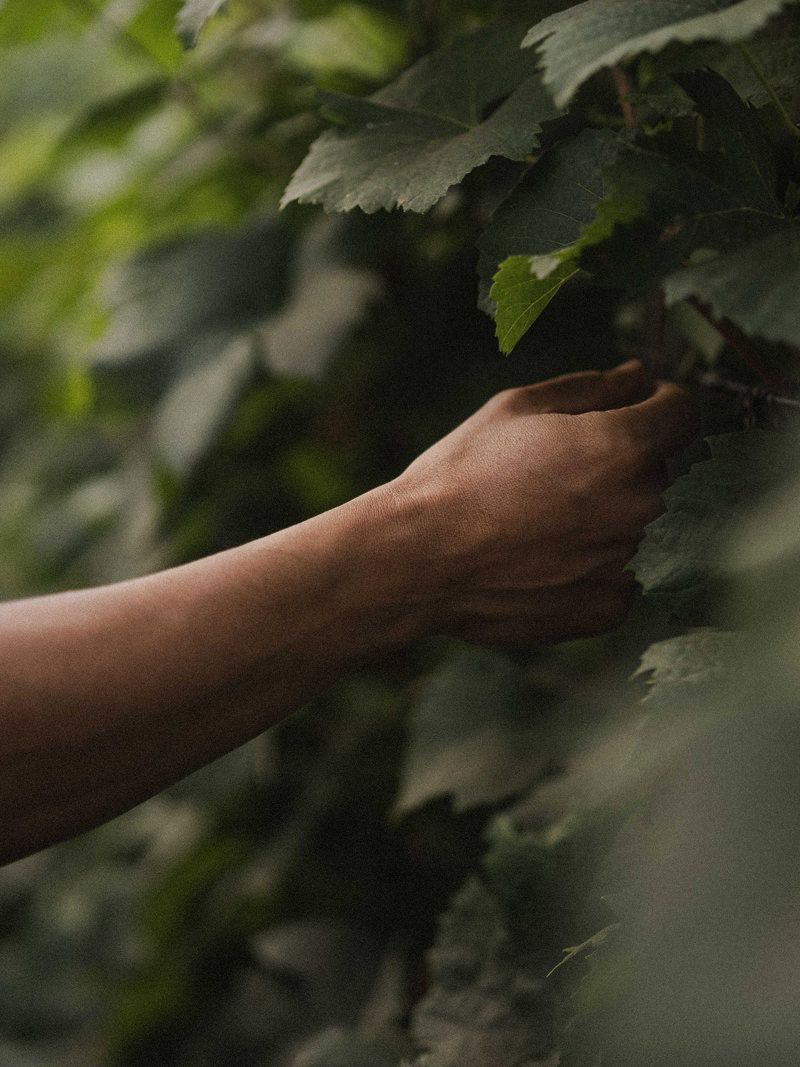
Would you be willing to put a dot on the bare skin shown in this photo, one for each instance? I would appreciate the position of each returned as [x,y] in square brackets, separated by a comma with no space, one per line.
[512,530]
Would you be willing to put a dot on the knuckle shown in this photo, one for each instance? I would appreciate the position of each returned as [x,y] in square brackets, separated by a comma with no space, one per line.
[506,401]
[591,377]
[614,444]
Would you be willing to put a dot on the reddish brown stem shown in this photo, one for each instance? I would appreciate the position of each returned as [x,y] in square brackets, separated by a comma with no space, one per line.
[741,345]
[622,84]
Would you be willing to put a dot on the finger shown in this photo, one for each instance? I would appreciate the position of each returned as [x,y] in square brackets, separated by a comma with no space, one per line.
[574,394]
[663,423]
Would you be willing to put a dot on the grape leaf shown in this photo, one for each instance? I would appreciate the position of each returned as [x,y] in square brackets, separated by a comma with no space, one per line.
[677,667]
[521,295]
[488,1001]
[576,43]
[337,1047]
[755,286]
[161,302]
[582,190]
[680,560]
[193,16]
[195,408]
[328,298]
[475,734]
[747,161]
[410,142]
[777,59]
[555,200]
[690,207]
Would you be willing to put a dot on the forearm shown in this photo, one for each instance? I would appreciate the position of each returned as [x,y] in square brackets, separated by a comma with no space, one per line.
[108,695]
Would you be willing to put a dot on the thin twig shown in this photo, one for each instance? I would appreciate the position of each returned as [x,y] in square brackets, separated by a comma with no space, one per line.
[740,344]
[622,84]
[713,380]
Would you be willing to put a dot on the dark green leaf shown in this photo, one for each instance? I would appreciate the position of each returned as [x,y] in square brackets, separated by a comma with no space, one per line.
[195,408]
[410,142]
[475,734]
[748,165]
[488,1001]
[756,287]
[551,206]
[576,43]
[680,561]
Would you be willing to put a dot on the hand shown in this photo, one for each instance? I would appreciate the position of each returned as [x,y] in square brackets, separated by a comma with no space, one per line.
[533,507]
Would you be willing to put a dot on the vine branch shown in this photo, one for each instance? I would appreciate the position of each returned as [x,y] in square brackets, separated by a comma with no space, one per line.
[740,344]
[622,84]
[713,380]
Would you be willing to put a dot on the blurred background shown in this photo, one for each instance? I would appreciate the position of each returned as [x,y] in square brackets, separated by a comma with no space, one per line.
[184,367]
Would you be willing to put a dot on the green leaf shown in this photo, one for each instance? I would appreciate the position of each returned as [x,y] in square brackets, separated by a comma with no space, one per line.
[409,143]
[193,16]
[686,205]
[778,58]
[680,561]
[328,298]
[190,416]
[580,192]
[346,1048]
[488,1001]
[747,164]
[475,734]
[576,43]
[352,38]
[756,287]
[525,285]
[521,295]
[554,202]
[679,667]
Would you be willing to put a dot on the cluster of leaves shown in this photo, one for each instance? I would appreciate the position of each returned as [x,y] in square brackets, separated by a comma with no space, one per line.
[185,366]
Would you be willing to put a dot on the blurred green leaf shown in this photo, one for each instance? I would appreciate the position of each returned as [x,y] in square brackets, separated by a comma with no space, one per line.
[193,16]
[680,562]
[488,1000]
[475,734]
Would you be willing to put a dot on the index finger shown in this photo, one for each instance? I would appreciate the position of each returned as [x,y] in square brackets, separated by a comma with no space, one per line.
[665,423]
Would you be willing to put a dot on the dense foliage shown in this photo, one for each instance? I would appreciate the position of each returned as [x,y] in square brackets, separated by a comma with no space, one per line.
[581,855]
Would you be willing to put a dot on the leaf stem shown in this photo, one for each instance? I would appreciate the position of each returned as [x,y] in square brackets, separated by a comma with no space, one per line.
[622,84]
[740,344]
[713,380]
[766,84]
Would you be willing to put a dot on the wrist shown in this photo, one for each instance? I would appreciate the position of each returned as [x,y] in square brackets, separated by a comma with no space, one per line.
[395,535]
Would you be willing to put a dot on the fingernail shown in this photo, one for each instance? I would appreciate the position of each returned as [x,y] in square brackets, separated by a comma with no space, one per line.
[629,365]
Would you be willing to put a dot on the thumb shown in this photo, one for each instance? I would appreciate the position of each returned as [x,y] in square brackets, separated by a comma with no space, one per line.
[574,394]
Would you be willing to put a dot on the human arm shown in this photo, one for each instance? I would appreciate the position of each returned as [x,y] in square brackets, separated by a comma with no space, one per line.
[513,529]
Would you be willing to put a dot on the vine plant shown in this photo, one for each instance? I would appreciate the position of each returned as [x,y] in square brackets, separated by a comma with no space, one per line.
[636,796]
[657,156]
